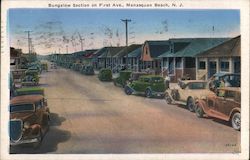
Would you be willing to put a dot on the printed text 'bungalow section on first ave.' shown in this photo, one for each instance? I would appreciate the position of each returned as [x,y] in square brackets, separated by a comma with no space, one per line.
[113,5]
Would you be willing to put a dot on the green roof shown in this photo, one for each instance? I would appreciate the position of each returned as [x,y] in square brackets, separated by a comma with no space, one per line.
[158,47]
[109,51]
[135,53]
[190,47]
[229,48]
[128,49]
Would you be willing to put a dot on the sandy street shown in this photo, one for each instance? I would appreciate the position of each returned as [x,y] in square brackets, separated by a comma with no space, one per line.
[89,116]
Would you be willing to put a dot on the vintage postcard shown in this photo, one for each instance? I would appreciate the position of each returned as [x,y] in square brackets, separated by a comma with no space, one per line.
[125,79]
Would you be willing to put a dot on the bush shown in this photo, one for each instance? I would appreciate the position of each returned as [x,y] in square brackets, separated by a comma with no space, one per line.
[105,75]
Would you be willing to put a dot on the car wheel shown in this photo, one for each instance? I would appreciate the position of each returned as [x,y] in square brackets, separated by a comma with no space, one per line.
[148,93]
[39,140]
[235,120]
[199,111]
[127,90]
[190,104]
[168,98]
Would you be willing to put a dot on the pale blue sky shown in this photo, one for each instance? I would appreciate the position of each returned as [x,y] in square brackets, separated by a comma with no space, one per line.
[55,28]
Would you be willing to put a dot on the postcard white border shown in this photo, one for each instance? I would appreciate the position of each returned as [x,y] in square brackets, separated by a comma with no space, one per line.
[243,5]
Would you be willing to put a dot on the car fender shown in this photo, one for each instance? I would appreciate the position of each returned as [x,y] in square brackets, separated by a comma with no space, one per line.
[35,128]
[201,103]
[233,111]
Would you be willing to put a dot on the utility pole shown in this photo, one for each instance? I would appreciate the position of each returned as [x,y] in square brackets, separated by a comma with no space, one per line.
[29,40]
[126,26]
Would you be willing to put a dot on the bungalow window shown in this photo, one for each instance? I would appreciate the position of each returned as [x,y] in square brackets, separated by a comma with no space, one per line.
[224,66]
[178,62]
[190,62]
[202,65]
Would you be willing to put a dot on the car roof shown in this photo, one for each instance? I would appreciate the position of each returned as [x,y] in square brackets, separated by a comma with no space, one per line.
[236,89]
[220,74]
[151,76]
[26,99]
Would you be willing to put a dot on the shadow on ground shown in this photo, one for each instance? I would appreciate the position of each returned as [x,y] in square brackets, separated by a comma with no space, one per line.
[50,141]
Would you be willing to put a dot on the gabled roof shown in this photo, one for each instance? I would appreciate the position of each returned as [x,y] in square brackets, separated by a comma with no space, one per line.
[109,51]
[135,53]
[129,49]
[229,48]
[190,47]
[157,48]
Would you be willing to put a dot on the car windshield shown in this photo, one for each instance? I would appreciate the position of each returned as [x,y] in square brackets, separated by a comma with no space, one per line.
[21,108]
[157,79]
[198,85]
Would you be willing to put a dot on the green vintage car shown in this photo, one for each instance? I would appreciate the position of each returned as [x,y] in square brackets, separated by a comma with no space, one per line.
[87,70]
[149,86]
[29,91]
[30,78]
[122,79]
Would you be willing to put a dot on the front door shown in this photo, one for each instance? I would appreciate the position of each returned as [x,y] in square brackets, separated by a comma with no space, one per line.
[212,68]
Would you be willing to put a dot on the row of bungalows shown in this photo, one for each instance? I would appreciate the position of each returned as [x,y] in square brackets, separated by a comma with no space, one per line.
[196,58]
[181,59]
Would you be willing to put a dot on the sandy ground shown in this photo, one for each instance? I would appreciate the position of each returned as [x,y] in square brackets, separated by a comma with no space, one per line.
[89,116]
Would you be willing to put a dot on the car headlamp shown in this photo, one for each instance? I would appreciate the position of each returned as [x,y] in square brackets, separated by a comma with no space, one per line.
[26,125]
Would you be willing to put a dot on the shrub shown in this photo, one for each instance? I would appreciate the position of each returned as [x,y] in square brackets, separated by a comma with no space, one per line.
[105,75]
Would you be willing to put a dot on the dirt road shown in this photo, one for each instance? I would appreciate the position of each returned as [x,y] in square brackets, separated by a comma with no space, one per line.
[89,116]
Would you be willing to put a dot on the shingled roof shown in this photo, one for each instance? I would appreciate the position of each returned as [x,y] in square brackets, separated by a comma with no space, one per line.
[109,51]
[135,53]
[129,49]
[157,48]
[190,47]
[229,48]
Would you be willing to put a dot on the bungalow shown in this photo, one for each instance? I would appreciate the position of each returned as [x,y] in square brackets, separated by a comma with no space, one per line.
[222,58]
[150,52]
[104,56]
[180,59]
[120,58]
[134,59]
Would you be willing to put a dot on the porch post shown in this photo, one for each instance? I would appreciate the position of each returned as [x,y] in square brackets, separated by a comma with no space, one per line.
[196,67]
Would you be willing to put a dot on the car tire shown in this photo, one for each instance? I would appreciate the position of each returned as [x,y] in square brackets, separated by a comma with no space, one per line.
[127,90]
[148,93]
[199,111]
[236,121]
[38,143]
[168,98]
[190,104]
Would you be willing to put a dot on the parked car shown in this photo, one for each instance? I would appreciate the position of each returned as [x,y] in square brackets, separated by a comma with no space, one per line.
[87,70]
[105,75]
[232,80]
[149,85]
[136,75]
[226,105]
[122,79]
[29,119]
[31,78]
[29,91]
[187,92]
